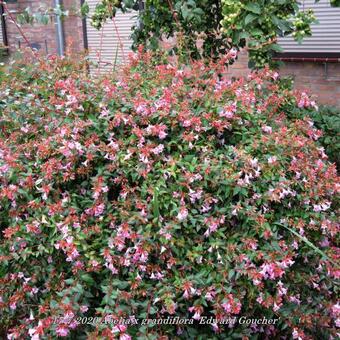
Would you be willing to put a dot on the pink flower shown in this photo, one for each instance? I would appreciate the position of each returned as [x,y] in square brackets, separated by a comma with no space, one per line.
[232,53]
[215,327]
[125,337]
[142,109]
[267,129]
[295,299]
[286,263]
[159,149]
[197,312]
[275,75]
[144,159]
[336,309]
[281,289]
[74,254]
[183,214]
[112,268]
[99,209]
[272,159]
[62,331]
[162,134]
[197,316]
[33,334]
[213,224]
[271,271]
[337,323]
[195,195]
[259,299]
[321,207]
[227,307]
[231,305]
[276,307]
[299,335]
[295,334]
[305,102]
[187,123]
[84,308]
[229,111]
[119,329]
[189,291]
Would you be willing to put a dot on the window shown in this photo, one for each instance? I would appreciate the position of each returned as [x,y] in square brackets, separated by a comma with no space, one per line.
[325,39]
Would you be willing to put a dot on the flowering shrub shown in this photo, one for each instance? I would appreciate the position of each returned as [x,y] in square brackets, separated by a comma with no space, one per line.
[327,119]
[167,192]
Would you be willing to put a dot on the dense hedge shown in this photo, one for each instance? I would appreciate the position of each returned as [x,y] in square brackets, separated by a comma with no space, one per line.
[327,119]
[167,192]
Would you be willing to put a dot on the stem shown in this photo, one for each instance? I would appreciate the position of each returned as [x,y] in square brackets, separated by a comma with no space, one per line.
[19,29]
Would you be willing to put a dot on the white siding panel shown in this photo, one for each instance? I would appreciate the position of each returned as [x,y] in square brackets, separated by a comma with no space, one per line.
[325,35]
[106,45]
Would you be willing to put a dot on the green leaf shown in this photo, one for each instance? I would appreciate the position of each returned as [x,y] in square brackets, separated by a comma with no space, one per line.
[69,281]
[88,279]
[129,3]
[276,48]
[257,32]
[84,9]
[54,304]
[244,35]
[310,244]
[185,12]
[155,204]
[253,7]
[250,18]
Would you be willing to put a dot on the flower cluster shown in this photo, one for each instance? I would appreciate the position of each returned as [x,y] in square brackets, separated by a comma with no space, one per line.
[164,190]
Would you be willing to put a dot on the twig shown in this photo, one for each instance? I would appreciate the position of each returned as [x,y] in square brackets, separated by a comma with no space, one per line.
[118,36]
[19,28]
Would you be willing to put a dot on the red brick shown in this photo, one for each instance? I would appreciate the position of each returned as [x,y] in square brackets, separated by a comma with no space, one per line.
[44,35]
[310,77]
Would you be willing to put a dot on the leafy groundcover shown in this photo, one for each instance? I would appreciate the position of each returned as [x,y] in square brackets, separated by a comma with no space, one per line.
[163,192]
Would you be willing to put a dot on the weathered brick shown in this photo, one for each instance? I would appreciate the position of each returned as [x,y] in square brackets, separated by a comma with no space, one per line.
[44,36]
[315,78]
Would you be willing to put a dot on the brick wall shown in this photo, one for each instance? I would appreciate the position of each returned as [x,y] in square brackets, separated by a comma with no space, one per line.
[240,67]
[319,79]
[43,37]
[40,36]
[73,27]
